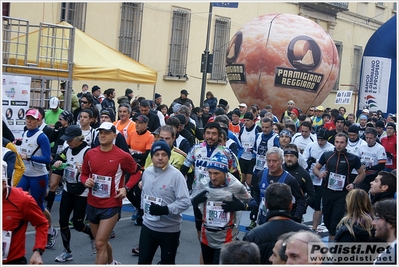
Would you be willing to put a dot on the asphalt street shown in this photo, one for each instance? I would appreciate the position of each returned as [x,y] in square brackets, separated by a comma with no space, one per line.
[127,237]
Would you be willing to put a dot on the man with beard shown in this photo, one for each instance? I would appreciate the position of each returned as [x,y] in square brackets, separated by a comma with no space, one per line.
[383,186]
[284,139]
[300,174]
[200,154]
[385,229]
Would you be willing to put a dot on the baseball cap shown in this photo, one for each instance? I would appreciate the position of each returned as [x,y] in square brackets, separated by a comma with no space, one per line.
[184,92]
[322,134]
[142,118]
[107,126]
[320,108]
[365,110]
[157,131]
[34,113]
[71,132]
[54,102]
[249,116]
[242,105]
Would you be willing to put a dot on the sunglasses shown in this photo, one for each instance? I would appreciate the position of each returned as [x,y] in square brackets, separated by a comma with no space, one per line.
[84,102]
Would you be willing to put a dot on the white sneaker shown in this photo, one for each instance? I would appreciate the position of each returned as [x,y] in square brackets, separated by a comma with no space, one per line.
[65,256]
[93,247]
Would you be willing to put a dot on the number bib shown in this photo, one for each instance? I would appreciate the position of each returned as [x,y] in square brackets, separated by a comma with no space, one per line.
[262,207]
[389,161]
[102,186]
[368,161]
[336,181]
[260,162]
[6,243]
[215,215]
[70,174]
[248,148]
[59,149]
[147,203]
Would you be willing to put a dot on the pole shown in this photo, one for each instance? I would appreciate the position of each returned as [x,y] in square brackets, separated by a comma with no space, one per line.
[206,52]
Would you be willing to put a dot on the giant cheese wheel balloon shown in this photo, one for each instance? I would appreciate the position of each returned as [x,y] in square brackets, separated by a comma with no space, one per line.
[280,57]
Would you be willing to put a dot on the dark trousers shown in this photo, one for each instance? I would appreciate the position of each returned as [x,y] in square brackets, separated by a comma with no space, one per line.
[210,255]
[151,240]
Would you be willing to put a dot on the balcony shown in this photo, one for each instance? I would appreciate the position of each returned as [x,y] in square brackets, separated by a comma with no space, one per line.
[329,7]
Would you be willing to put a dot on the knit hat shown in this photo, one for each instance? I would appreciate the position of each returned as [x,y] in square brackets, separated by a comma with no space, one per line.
[249,116]
[206,105]
[109,112]
[181,118]
[294,110]
[223,102]
[353,129]
[391,124]
[157,95]
[363,117]
[291,102]
[380,123]
[95,88]
[160,145]
[339,118]
[218,162]
[236,111]
[67,116]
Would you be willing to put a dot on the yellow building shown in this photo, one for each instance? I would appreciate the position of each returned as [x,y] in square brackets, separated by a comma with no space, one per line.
[171,37]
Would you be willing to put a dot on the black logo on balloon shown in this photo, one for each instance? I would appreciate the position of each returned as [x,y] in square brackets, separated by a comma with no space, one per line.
[234,48]
[304,53]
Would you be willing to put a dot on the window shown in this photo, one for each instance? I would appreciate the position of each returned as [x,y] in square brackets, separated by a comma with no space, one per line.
[220,42]
[74,14]
[130,31]
[179,43]
[6,9]
[338,45]
[357,61]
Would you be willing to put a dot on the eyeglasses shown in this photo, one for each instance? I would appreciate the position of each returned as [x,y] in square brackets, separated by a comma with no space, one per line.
[390,128]
[84,102]
[311,109]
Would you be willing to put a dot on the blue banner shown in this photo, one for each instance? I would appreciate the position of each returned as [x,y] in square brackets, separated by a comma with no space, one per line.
[226,4]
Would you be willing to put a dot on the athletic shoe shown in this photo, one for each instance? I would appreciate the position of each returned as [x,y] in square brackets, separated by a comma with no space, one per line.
[136,251]
[65,256]
[113,235]
[59,189]
[93,247]
[114,262]
[51,238]
[251,226]
[70,223]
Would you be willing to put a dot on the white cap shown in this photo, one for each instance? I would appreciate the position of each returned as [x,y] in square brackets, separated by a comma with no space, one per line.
[108,126]
[365,110]
[54,102]
[242,105]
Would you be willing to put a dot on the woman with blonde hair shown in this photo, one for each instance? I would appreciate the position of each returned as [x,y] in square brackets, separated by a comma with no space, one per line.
[356,225]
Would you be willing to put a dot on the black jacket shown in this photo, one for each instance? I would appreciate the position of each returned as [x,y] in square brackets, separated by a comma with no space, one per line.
[304,181]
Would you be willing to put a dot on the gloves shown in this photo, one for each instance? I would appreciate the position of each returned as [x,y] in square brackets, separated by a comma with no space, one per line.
[310,161]
[389,155]
[254,214]
[201,197]
[57,125]
[233,205]
[156,209]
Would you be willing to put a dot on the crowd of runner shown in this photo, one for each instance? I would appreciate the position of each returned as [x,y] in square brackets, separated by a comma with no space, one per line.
[219,160]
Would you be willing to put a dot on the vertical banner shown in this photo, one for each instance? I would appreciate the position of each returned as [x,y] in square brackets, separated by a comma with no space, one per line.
[373,92]
[16,97]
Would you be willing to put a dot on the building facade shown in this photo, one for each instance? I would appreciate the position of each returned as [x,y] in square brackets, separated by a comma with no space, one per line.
[171,37]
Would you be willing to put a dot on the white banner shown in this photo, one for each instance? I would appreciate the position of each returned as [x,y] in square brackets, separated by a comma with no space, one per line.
[373,91]
[343,97]
[16,97]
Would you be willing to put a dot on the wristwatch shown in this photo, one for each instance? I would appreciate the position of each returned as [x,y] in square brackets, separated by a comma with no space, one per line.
[127,189]
[41,251]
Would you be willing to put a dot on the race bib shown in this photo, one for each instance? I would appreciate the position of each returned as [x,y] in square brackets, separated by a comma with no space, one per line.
[215,215]
[260,162]
[336,181]
[248,148]
[60,148]
[102,186]
[368,161]
[262,207]
[70,173]
[147,203]
[6,243]
[389,161]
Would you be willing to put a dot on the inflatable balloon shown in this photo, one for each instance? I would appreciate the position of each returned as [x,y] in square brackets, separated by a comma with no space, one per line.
[378,74]
[280,57]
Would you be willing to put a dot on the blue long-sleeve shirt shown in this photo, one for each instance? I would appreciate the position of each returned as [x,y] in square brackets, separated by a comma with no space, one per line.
[44,144]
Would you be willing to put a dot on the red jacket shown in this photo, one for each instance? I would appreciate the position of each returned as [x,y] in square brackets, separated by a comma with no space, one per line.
[389,143]
[19,208]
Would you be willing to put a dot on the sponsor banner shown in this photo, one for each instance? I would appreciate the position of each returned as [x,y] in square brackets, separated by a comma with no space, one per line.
[343,97]
[15,100]
[373,92]
[351,252]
